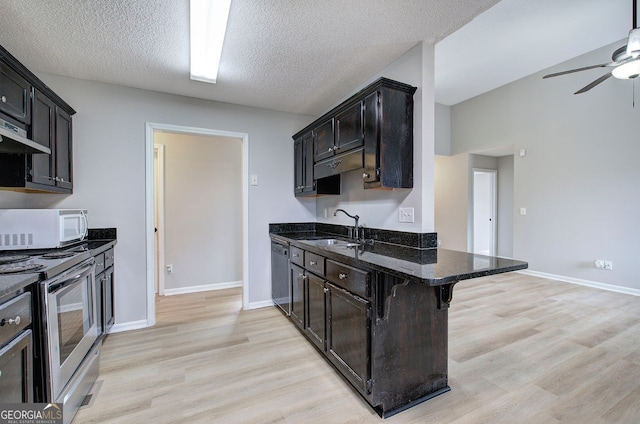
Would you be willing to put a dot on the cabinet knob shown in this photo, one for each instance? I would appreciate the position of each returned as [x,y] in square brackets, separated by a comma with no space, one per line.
[342,276]
[330,149]
[313,263]
[326,290]
[15,321]
[366,176]
[4,99]
[295,255]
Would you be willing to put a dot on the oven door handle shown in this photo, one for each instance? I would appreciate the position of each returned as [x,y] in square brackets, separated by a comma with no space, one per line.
[77,275]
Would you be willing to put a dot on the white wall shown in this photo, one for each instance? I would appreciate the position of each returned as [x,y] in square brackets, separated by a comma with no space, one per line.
[109,170]
[379,208]
[505,206]
[579,180]
[203,209]
[442,129]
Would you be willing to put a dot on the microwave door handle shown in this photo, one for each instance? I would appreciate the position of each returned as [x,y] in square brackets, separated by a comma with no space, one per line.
[84,224]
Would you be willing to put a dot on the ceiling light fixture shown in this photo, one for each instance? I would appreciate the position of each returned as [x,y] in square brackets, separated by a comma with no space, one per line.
[629,70]
[208,26]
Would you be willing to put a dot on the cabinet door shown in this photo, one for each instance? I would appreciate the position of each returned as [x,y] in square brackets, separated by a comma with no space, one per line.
[41,166]
[63,146]
[298,166]
[371,138]
[15,94]
[349,336]
[323,146]
[107,302]
[349,128]
[307,178]
[316,310]
[297,295]
[99,294]
[16,370]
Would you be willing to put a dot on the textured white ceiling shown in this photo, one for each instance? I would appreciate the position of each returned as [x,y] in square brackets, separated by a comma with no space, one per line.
[296,56]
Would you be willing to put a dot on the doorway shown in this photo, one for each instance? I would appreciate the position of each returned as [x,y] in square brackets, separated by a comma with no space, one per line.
[156,268]
[485,205]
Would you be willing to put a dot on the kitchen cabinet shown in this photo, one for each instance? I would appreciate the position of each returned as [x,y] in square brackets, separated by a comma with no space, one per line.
[47,121]
[298,278]
[315,298]
[103,292]
[15,94]
[371,131]
[349,336]
[16,357]
[304,182]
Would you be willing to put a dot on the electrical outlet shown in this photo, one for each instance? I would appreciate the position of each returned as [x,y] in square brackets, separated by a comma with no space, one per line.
[325,212]
[599,263]
[523,211]
[608,265]
[169,269]
[405,215]
[254,180]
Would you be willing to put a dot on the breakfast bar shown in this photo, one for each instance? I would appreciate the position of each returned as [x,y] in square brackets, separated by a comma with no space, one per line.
[377,308]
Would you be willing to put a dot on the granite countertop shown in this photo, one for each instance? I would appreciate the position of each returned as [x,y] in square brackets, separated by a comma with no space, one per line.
[431,266]
[13,283]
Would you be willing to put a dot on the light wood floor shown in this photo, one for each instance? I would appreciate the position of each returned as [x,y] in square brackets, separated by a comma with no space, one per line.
[521,350]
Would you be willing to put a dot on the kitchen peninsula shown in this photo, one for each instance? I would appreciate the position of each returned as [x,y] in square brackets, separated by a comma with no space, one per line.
[377,310]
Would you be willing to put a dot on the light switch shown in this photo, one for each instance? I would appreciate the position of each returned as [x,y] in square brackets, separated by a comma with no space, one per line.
[523,211]
[254,180]
[523,152]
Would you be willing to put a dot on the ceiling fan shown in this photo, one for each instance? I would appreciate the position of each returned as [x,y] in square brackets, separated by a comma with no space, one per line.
[625,60]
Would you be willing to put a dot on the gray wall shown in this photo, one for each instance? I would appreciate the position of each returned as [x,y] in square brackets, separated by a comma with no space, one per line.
[109,167]
[505,206]
[579,180]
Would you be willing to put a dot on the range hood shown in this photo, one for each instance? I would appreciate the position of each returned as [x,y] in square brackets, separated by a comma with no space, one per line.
[14,140]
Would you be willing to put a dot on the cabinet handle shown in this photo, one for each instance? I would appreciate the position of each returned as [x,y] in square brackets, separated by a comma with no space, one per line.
[330,149]
[295,255]
[342,276]
[10,321]
[326,290]
[313,263]
[4,99]
[365,175]
[334,164]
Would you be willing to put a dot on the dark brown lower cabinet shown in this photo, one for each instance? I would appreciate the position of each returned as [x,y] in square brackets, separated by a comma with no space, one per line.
[348,336]
[297,295]
[316,310]
[387,336]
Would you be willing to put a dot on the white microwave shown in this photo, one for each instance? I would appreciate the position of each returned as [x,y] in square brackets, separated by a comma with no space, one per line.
[41,228]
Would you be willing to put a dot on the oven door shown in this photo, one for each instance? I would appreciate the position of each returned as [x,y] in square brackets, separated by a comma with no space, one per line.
[72,327]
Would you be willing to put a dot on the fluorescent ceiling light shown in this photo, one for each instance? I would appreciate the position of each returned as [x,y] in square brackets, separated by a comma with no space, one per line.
[208,25]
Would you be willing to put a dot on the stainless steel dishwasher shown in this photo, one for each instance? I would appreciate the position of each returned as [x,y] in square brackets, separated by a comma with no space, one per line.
[280,284]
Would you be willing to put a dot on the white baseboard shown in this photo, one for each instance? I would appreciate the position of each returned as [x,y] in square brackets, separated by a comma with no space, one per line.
[128,326]
[202,288]
[588,283]
[261,304]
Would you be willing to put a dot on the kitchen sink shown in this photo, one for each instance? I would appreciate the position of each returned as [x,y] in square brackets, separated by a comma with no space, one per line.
[332,242]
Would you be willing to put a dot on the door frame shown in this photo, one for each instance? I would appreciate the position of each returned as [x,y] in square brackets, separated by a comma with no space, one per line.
[493,248]
[150,128]
[159,203]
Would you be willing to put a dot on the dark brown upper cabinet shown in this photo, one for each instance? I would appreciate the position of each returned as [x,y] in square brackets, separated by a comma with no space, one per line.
[29,103]
[304,182]
[15,94]
[371,131]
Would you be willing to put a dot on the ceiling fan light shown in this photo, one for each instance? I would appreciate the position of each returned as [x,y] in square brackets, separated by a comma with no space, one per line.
[627,70]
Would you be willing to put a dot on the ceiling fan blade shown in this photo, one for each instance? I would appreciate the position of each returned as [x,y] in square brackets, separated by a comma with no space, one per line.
[571,71]
[594,83]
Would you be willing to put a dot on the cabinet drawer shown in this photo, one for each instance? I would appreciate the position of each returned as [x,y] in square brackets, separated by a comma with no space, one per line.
[353,279]
[99,263]
[14,316]
[314,263]
[297,255]
[108,258]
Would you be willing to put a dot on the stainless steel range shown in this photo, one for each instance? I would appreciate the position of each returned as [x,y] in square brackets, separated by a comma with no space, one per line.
[66,360]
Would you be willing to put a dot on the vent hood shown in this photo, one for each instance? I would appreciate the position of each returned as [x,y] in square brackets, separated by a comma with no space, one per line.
[13,140]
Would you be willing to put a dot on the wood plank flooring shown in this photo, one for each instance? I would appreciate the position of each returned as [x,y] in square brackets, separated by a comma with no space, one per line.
[521,350]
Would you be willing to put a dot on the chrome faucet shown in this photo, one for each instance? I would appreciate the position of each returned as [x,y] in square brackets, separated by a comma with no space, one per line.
[355,217]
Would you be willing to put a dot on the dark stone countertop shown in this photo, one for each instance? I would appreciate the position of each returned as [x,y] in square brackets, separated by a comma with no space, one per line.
[15,282]
[431,266]
[98,246]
